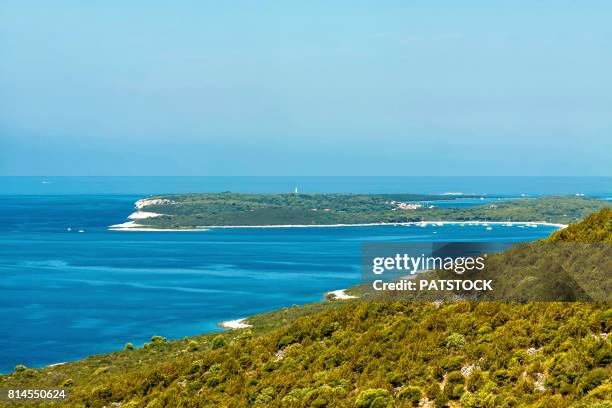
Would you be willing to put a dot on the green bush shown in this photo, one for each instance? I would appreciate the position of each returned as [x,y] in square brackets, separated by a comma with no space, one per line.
[218,342]
[475,381]
[593,379]
[373,398]
[68,383]
[192,346]
[452,363]
[432,391]
[456,392]
[455,377]
[456,341]
[410,394]
[480,399]
[245,335]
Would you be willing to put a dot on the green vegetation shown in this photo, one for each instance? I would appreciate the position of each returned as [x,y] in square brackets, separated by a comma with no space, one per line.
[573,264]
[366,354]
[192,210]
[595,228]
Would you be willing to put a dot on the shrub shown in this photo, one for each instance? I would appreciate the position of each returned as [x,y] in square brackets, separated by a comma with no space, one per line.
[606,321]
[501,376]
[20,368]
[396,379]
[603,357]
[593,379]
[455,341]
[158,339]
[129,346]
[192,345]
[29,372]
[265,396]
[432,391]
[566,389]
[475,381]
[285,341]
[480,399]
[457,391]
[452,363]
[602,392]
[245,334]
[68,383]
[441,401]
[410,394]
[218,342]
[102,392]
[373,398]
[101,370]
[455,377]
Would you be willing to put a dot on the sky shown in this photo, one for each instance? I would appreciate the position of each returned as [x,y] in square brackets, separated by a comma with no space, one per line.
[431,87]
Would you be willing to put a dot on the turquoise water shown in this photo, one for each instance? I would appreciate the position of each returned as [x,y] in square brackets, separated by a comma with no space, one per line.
[68,294]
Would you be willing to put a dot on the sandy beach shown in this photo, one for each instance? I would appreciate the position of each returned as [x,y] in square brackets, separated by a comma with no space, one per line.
[417,223]
[141,215]
[339,294]
[235,324]
[132,226]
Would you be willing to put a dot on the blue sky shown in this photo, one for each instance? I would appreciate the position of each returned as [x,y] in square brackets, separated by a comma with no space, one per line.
[305,88]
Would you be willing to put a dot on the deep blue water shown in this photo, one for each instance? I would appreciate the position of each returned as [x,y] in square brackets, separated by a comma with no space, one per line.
[65,295]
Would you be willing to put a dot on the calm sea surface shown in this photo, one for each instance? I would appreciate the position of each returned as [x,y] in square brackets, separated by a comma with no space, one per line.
[67,294]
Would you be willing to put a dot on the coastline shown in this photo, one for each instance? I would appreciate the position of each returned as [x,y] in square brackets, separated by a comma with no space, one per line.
[133,226]
[235,324]
[339,294]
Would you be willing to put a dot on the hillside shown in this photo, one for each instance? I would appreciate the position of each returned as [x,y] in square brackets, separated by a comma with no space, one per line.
[193,210]
[573,264]
[595,228]
[367,354]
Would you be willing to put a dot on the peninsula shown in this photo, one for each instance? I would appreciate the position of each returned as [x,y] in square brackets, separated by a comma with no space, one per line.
[210,210]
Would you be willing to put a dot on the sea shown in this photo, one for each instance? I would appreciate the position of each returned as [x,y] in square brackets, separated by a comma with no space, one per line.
[70,288]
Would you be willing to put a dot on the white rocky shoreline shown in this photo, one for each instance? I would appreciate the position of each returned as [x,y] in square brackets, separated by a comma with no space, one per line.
[133,226]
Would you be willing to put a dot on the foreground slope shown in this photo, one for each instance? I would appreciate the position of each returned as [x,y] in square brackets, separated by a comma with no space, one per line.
[367,354]
[573,264]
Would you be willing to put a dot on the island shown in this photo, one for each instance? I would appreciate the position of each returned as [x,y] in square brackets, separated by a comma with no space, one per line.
[208,210]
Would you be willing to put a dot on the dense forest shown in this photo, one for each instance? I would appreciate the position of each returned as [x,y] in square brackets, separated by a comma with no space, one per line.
[367,354]
[193,210]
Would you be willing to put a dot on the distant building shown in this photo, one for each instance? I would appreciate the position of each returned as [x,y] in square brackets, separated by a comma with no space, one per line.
[409,206]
